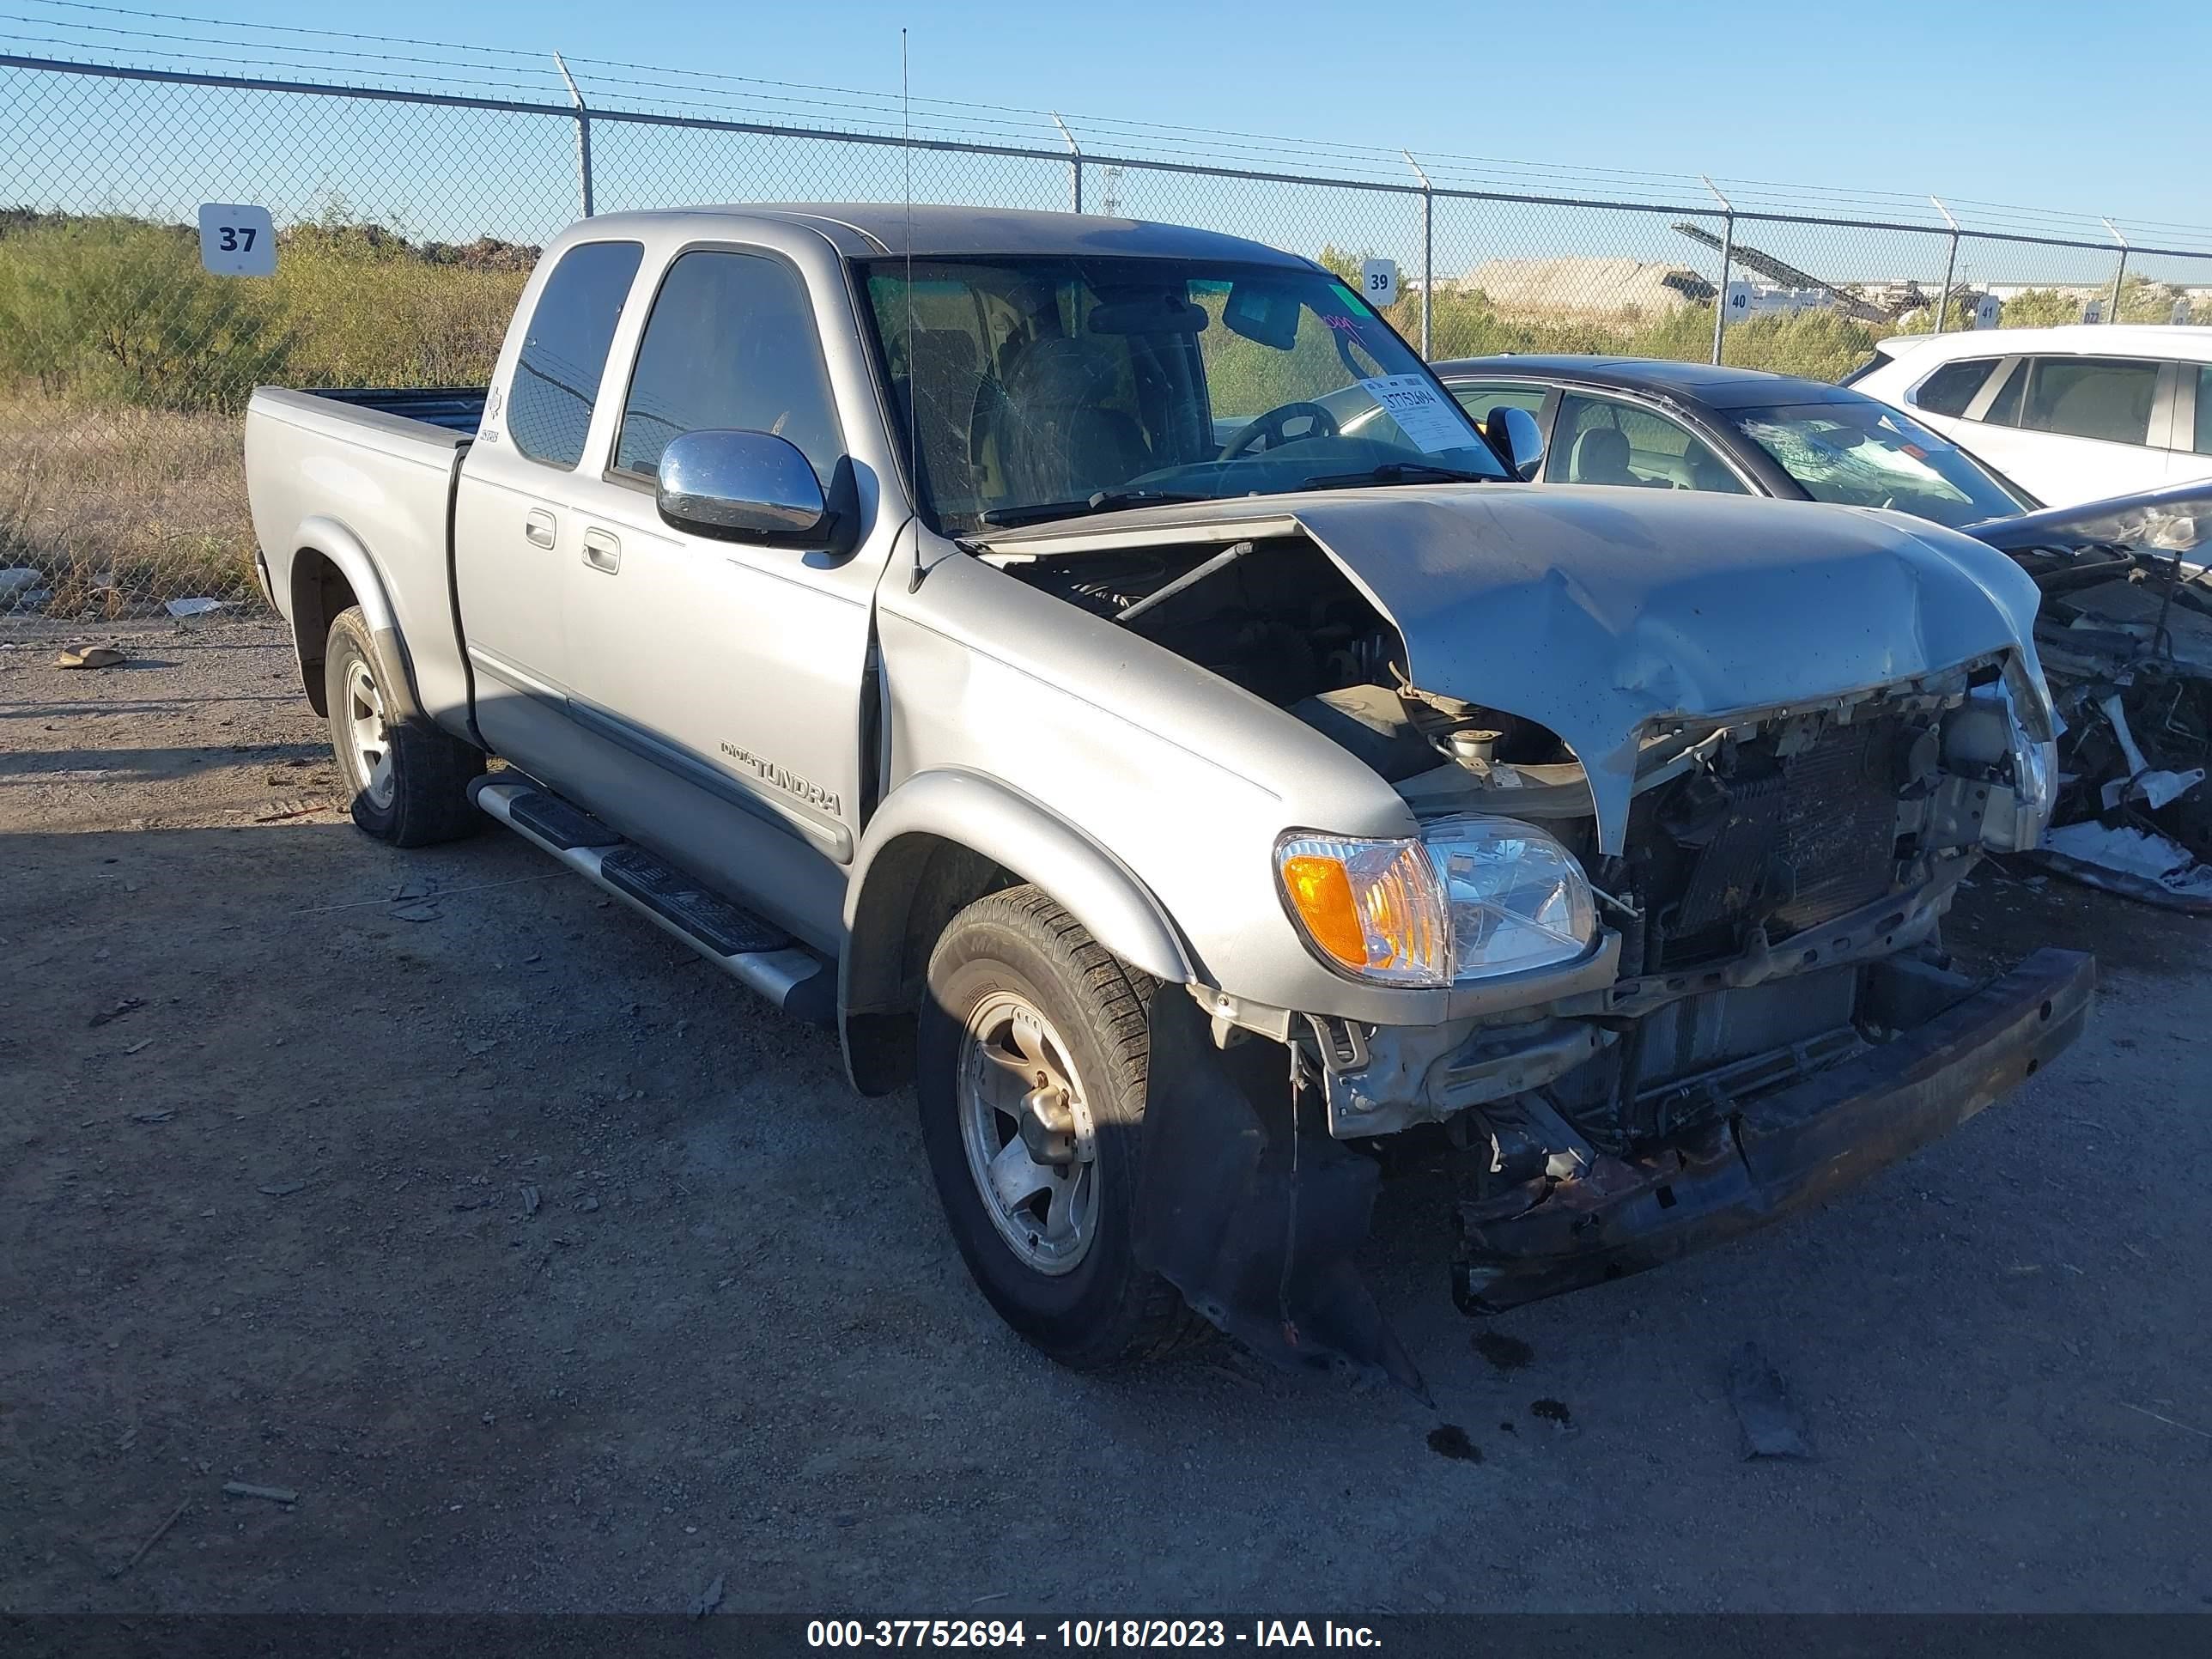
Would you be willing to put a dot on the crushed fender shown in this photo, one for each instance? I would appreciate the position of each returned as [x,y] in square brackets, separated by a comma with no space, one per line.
[1253,1218]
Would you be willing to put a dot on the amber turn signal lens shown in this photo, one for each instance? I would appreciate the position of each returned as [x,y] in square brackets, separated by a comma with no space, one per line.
[1322,892]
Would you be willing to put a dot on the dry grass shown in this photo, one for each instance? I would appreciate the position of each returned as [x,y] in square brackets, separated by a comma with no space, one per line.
[121,507]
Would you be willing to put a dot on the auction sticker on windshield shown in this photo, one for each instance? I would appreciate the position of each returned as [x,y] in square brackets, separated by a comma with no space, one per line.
[1422,414]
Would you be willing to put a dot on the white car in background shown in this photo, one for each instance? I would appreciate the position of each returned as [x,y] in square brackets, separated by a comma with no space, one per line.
[2073,414]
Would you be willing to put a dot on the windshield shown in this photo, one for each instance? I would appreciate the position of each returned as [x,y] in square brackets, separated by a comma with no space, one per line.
[1049,387]
[1867,455]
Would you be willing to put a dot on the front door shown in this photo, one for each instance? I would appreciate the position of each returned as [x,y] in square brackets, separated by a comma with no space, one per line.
[730,675]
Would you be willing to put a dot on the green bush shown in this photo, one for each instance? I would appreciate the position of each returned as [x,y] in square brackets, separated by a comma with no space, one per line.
[118,311]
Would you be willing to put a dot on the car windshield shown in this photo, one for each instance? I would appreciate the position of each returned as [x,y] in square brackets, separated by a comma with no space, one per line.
[1041,388]
[1866,455]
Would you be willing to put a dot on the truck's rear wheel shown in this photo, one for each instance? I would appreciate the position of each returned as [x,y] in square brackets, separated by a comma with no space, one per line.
[1031,1082]
[407,780]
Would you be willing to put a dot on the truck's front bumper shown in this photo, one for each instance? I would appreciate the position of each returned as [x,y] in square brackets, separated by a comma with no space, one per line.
[1774,1155]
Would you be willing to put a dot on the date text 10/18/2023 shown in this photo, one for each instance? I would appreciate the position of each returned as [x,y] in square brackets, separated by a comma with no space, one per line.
[1085,1634]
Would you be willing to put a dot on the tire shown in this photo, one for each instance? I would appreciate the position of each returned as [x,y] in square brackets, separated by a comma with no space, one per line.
[1080,1297]
[418,793]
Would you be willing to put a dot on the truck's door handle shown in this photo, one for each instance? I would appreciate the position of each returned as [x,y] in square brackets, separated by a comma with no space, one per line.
[537,529]
[602,551]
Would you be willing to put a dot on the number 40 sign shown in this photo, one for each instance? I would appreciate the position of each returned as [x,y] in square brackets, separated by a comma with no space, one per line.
[237,240]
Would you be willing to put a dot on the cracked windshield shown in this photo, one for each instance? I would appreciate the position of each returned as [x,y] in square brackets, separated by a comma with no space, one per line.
[1864,455]
[1047,388]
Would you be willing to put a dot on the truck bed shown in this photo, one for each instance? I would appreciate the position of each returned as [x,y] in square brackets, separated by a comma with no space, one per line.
[455,408]
[359,481]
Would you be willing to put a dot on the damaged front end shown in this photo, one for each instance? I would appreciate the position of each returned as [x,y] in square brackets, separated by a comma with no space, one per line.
[1687,788]
[2124,632]
[1765,1016]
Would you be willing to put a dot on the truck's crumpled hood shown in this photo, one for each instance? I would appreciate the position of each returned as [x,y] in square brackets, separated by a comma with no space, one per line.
[1598,611]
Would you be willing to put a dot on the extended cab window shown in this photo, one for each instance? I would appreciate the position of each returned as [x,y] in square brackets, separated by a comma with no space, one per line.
[556,379]
[731,345]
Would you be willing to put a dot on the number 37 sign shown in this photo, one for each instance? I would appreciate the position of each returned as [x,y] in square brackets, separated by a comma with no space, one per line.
[237,240]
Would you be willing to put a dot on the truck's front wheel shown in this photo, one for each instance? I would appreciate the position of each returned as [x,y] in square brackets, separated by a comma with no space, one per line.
[407,780]
[1032,1066]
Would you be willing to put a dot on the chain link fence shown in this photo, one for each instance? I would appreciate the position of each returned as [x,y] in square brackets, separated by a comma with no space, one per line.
[408,222]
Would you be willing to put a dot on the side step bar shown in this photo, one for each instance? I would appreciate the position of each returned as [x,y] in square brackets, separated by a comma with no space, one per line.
[749,949]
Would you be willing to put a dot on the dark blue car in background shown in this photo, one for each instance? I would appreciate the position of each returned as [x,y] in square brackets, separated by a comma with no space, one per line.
[1646,423]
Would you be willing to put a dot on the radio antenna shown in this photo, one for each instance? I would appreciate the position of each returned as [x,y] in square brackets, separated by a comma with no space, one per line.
[913,357]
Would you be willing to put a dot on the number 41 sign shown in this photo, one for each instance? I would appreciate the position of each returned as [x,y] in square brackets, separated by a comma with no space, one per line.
[237,240]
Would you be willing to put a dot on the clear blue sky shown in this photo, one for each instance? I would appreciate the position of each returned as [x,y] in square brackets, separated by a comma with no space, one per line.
[2058,107]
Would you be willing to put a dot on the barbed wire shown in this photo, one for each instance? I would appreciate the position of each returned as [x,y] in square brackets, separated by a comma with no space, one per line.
[521,74]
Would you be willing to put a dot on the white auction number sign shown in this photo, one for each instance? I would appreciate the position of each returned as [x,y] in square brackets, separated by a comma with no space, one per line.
[1378,282]
[1988,311]
[237,240]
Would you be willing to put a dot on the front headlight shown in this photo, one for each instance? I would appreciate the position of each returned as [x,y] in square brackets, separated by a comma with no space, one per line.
[1473,897]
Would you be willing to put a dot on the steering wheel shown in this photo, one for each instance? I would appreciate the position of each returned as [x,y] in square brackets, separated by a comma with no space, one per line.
[1270,426]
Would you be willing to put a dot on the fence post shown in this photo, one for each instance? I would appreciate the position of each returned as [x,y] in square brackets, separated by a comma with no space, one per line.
[583,138]
[2119,274]
[1950,267]
[1728,257]
[1074,164]
[1428,247]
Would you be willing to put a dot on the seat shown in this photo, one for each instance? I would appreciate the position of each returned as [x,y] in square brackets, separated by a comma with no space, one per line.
[1709,473]
[1057,440]
[1601,457]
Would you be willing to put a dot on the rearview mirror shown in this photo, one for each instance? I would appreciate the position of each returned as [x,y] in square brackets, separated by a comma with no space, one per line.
[1519,439]
[743,487]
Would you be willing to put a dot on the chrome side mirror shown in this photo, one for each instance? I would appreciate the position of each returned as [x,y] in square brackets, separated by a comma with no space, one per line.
[743,487]
[1516,432]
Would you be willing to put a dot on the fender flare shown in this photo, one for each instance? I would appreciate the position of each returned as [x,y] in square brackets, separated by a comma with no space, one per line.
[1010,828]
[330,539]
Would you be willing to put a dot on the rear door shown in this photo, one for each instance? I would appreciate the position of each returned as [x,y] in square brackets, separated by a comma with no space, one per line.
[724,680]
[2073,428]
[513,528]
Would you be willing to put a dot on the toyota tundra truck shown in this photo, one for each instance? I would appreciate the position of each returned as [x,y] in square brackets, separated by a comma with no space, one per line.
[1096,668]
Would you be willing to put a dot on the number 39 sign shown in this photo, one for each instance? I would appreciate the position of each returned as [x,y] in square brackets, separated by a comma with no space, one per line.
[237,240]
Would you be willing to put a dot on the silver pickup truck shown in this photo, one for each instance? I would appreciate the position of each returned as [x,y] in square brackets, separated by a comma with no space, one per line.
[1096,667]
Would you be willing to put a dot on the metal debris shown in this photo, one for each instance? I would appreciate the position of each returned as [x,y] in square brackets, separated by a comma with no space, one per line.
[2124,633]
[274,1494]
[1773,1426]
[284,1191]
[154,1538]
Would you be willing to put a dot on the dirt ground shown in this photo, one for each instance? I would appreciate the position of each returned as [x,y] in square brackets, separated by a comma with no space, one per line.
[551,1272]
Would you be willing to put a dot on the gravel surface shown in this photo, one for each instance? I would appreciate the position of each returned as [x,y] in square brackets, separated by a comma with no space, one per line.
[551,1272]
